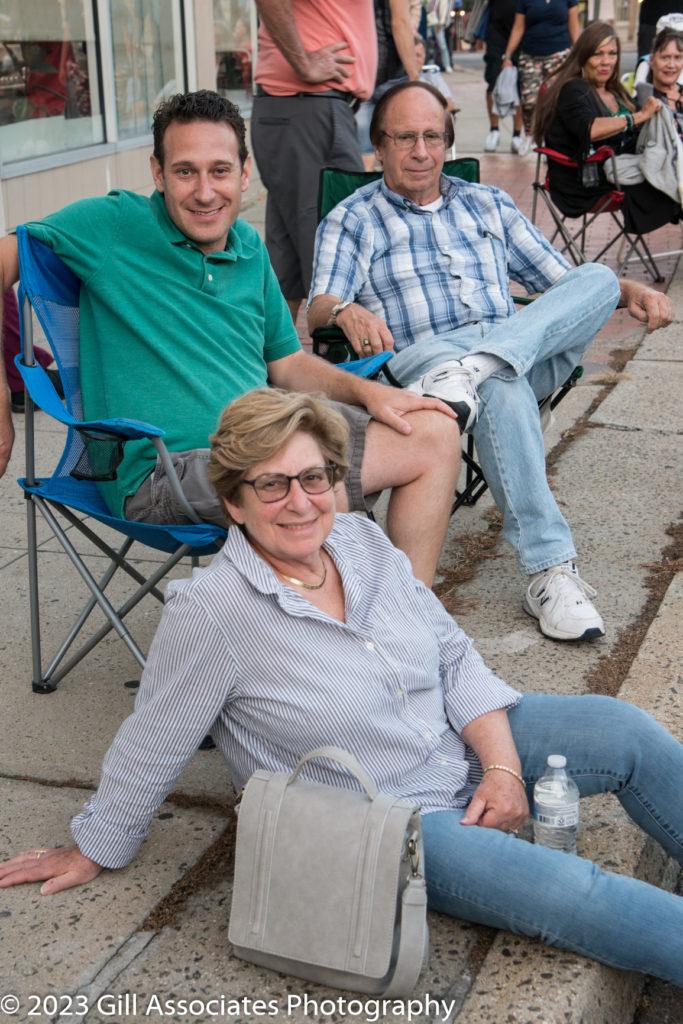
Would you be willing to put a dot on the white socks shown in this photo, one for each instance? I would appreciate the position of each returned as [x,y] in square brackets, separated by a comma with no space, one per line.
[483,365]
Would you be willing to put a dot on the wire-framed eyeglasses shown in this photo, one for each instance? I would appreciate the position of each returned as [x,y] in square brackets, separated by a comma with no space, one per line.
[275,486]
[408,140]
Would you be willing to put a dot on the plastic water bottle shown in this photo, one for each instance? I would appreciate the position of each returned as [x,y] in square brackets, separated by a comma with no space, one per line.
[556,807]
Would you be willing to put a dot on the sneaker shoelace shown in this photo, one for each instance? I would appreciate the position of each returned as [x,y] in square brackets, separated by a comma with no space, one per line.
[465,377]
[566,571]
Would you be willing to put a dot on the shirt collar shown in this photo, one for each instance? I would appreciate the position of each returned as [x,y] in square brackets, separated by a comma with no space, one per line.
[235,247]
[447,186]
[238,551]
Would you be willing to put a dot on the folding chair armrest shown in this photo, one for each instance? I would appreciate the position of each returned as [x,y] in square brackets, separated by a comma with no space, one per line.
[601,154]
[554,156]
[342,354]
[369,367]
[43,394]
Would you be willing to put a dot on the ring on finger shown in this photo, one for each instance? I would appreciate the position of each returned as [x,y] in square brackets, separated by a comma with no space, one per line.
[365,342]
[39,853]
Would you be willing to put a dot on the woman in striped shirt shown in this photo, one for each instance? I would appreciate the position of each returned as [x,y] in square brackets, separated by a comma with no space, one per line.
[309,628]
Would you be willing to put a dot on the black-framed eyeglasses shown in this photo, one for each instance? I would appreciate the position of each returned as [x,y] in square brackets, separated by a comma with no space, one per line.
[408,140]
[275,486]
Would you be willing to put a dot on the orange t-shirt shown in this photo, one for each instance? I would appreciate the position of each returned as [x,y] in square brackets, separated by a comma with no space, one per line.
[319,23]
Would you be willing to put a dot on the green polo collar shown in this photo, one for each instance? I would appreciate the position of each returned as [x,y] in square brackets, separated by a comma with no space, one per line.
[236,246]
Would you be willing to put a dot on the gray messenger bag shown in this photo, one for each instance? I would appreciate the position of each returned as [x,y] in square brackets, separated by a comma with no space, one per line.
[328,882]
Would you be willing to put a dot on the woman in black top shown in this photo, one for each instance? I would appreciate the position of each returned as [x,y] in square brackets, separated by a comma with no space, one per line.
[585,106]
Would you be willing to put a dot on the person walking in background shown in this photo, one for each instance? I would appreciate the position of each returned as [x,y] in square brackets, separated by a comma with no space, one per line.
[543,30]
[397,60]
[316,59]
[501,15]
[438,19]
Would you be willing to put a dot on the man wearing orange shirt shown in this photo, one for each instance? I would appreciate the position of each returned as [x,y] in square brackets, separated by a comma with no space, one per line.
[316,59]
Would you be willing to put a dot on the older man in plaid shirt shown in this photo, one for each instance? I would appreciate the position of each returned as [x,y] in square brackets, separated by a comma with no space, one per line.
[420,263]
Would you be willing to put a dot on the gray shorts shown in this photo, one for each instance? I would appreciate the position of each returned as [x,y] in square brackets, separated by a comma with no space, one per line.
[293,138]
[154,502]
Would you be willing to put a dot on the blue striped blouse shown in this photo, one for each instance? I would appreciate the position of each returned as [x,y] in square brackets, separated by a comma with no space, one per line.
[243,656]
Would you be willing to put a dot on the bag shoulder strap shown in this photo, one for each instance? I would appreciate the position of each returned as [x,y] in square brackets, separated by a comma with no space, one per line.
[413,942]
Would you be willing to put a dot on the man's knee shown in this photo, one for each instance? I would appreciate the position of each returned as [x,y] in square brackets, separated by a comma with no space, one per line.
[392,459]
[436,434]
[594,277]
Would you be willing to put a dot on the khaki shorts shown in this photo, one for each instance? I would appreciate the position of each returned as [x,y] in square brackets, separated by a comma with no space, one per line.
[154,501]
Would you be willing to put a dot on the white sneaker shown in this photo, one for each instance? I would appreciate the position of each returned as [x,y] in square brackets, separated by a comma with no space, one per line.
[455,385]
[492,141]
[559,599]
[521,144]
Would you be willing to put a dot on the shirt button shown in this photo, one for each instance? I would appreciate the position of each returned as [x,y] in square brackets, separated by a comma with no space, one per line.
[427,735]
[400,692]
[369,644]
[210,277]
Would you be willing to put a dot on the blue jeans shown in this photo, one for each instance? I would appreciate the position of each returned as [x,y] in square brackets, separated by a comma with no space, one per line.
[440,36]
[543,343]
[496,879]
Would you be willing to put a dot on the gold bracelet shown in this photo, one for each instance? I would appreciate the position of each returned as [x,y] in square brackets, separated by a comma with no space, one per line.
[504,768]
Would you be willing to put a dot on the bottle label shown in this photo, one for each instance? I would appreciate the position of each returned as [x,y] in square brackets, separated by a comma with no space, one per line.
[566,816]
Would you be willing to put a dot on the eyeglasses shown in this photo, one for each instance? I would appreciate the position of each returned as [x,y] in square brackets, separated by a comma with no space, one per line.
[408,140]
[271,487]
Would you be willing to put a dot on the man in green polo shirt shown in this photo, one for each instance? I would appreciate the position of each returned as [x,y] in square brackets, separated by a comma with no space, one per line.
[181,313]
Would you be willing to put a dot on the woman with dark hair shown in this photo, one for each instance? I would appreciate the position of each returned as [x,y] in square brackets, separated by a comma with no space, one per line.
[584,106]
[666,64]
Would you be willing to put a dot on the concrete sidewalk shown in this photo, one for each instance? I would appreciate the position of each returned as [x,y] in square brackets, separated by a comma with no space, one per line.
[134,944]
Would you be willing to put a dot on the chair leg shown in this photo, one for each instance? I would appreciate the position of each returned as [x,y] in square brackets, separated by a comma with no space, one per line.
[89,606]
[39,684]
[88,579]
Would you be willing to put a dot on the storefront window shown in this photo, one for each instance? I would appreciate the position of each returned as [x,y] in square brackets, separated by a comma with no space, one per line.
[49,95]
[148,67]
[234,48]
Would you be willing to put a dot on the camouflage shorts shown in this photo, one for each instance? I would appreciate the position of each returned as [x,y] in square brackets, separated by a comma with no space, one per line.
[533,72]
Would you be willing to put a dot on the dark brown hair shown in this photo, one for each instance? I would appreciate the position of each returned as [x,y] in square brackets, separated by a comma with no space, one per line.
[583,49]
[203,105]
[377,123]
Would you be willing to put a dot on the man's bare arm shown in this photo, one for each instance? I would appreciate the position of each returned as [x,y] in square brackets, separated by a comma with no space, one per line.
[357,323]
[403,35]
[303,372]
[9,275]
[328,64]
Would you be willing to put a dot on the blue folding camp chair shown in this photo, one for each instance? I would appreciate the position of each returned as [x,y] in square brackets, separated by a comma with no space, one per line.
[92,451]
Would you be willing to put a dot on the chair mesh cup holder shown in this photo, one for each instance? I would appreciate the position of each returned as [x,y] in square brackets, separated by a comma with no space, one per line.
[101,456]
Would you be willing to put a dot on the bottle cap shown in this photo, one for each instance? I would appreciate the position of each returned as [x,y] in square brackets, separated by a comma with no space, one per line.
[557,761]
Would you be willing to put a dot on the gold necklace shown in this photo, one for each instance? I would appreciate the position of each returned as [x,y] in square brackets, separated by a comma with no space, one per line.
[300,583]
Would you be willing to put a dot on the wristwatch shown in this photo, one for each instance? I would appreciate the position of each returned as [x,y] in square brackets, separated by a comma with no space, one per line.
[335,311]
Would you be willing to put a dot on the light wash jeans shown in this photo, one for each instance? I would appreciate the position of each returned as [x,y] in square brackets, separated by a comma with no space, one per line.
[543,343]
[440,36]
[487,876]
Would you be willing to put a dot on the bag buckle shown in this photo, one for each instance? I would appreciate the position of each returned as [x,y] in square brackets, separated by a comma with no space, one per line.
[414,854]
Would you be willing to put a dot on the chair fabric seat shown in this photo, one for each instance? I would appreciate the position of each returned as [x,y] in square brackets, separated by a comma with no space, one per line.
[83,496]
